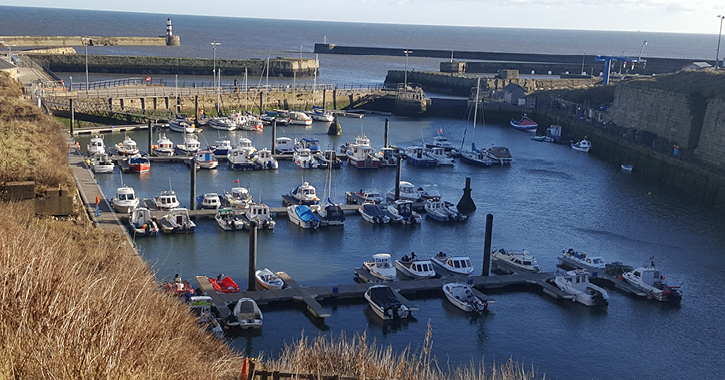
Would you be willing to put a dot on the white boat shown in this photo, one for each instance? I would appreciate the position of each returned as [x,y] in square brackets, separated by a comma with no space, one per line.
[228,220]
[361,155]
[459,265]
[222,148]
[582,145]
[401,211]
[245,145]
[304,194]
[303,216]
[101,163]
[304,159]
[387,157]
[652,282]
[440,156]
[249,123]
[381,267]
[177,221]
[320,114]
[268,279]
[443,211]
[373,213]
[408,192]
[239,198]
[209,201]
[259,214]
[240,159]
[386,303]
[125,199]
[576,259]
[461,295]
[166,200]
[181,126]
[222,123]
[366,196]
[164,147]
[415,155]
[141,224]
[206,159]
[127,147]
[299,118]
[515,260]
[415,268]
[96,145]
[441,141]
[311,143]
[284,145]
[190,146]
[627,168]
[264,160]
[576,282]
[476,156]
[245,314]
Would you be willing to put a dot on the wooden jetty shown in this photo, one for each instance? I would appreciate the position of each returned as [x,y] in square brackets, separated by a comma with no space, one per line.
[151,205]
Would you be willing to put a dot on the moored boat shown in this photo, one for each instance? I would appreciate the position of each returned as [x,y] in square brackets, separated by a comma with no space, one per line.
[125,199]
[411,266]
[139,163]
[245,314]
[303,216]
[443,211]
[178,287]
[524,124]
[206,159]
[582,145]
[166,200]
[304,159]
[181,126]
[127,147]
[521,261]
[360,154]
[381,267]
[258,214]
[209,201]
[652,282]
[440,156]
[224,284]
[228,220]
[385,303]
[239,197]
[401,211]
[407,192]
[101,163]
[580,260]
[177,221]
[576,282]
[141,224]
[366,196]
[268,279]
[190,146]
[96,145]
[373,213]
[415,155]
[627,168]
[304,194]
[164,147]
[457,265]
[284,145]
[222,148]
[461,295]
[264,160]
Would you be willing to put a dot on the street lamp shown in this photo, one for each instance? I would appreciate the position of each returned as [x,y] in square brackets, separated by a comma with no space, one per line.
[405,82]
[717,55]
[85,43]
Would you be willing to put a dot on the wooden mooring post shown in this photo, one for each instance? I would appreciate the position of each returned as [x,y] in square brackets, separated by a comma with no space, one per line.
[398,174]
[151,136]
[252,256]
[487,245]
[387,129]
[192,193]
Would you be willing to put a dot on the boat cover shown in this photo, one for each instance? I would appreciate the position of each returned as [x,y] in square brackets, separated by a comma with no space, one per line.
[246,310]
[306,214]
[334,212]
[383,295]
[373,210]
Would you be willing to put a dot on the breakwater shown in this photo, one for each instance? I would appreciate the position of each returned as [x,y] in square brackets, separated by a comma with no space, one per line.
[58,41]
[285,67]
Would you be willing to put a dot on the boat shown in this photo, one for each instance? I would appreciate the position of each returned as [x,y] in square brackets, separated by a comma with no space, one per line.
[222,148]
[539,138]
[268,279]
[304,159]
[177,221]
[239,197]
[181,126]
[387,157]
[443,211]
[440,141]
[125,199]
[96,145]
[373,213]
[440,156]
[240,159]
[299,118]
[101,163]
[524,124]
[401,211]
[178,287]
[141,224]
[139,164]
[166,200]
[415,155]
[127,147]
[258,214]
[407,192]
[329,159]
[320,114]
[209,201]
[381,267]
[228,220]
[284,145]
[627,168]
[576,282]
[476,157]
[366,196]
[224,284]
[190,146]
[385,303]
[206,159]
[304,194]
[281,118]
[461,296]
[164,147]
[411,266]
[457,265]
[515,260]
[580,260]
[479,157]
[652,282]
[245,145]
[499,155]
[249,123]
[245,314]
[331,214]
[222,123]
[303,216]
[582,145]
[310,143]
[264,160]
[360,154]
[201,307]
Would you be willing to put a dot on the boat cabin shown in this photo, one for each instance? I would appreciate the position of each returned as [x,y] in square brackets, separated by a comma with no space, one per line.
[167,200]
[210,201]
[382,261]
[284,144]
[459,262]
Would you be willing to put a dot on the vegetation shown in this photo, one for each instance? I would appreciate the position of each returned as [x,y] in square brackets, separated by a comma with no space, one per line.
[700,83]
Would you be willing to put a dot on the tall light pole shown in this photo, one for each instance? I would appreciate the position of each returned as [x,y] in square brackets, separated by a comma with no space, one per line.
[214,45]
[85,42]
[405,81]
[717,55]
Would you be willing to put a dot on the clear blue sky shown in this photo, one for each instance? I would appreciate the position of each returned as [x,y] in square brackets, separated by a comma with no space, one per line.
[644,15]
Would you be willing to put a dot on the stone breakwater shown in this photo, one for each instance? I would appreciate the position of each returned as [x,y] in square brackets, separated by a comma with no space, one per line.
[58,41]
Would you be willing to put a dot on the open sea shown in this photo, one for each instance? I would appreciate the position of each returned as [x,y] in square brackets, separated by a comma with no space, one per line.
[551,198]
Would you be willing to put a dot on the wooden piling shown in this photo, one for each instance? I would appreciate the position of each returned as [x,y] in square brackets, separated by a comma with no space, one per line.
[274,136]
[252,256]
[72,116]
[151,135]
[487,245]
[398,174]
[192,193]
[387,129]
[196,109]
[334,99]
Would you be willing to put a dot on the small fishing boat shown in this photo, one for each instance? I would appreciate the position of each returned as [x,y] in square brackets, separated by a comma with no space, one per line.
[178,287]
[222,123]
[388,157]
[125,199]
[304,194]
[268,279]
[366,196]
[441,141]
[239,197]
[209,201]
[580,260]
[304,159]
[222,148]
[328,159]
[240,159]
[245,314]
[141,224]
[96,145]
[627,168]
[166,200]
[373,213]
[582,145]
[440,156]
[458,265]
[299,118]
[539,138]
[181,126]
[101,163]
[525,124]
[411,266]
[228,220]
[164,147]
[139,164]
[408,192]
[461,295]
[401,211]
[381,267]
[127,147]
[652,282]
[320,114]
[429,192]
[249,123]
[245,145]
[576,282]
[521,261]
[206,159]
[386,303]
[258,214]
[415,155]
[361,155]
[311,143]
[303,216]
[443,211]
[177,221]
[190,146]
[224,284]
[284,145]
[265,161]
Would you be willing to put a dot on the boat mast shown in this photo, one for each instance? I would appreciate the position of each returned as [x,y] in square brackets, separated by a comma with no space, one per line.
[475,108]
[314,86]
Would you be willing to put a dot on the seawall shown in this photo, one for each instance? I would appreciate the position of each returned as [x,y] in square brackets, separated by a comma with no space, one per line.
[58,41]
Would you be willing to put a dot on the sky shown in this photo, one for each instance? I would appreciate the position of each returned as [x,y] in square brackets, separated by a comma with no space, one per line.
[676,16]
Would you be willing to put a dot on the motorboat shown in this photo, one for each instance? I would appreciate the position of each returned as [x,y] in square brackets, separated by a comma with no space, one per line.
[461,296]
[582,145]
[373,213]
[249,123]
[521,261]
[499,155]
[240,159]
[228,220]
[245,314]
[166,200]
[576,259]
[125,199]
[457,265]
[576,282]
[239,198]
[264,160]
[222,148]
[443,211]
[652,282]
[268,279]
[201,307]
[415,155]
[388,157]
[181,126]
[127,147]
[304,159]
[139,163]
[329,159]
[284,145]
[224,284]
[524,124]
[411,266]
[209,201]
[476,157]
[360,154]
[320,114]
[627,168]
[331,214]
[304,194]
[206,159]
[177,221]
[427,192]
[311,143]
[96,145]
[222,123]
[381,267]
[178,287]
[366,196]
[245,145]
[401,211]
[440,156]
[258,214]
[407,192]
[386,303]
[278,117]
[141,224]
[303,216]
[299,118]
[440,141]
[190,146]
[101,163]
[164,147]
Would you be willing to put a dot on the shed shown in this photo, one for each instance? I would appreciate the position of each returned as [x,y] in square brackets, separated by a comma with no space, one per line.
[513,93]
[697,66]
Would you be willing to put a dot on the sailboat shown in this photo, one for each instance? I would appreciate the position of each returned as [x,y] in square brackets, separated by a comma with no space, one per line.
[330,213]
[475,156]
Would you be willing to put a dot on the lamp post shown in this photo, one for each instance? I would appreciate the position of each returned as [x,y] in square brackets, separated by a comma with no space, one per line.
[717,55]
[85,42]
[405,81]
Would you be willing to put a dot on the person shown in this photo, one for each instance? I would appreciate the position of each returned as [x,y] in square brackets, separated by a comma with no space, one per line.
[220,277]
[177,278]
[412,256]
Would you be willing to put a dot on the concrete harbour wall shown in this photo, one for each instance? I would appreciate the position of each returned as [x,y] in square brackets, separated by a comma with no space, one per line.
[56,41]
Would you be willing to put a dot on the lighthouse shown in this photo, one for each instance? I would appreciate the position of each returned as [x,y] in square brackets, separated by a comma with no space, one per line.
[171,39]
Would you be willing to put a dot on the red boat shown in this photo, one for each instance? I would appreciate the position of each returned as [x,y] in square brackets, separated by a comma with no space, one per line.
[178,288]
[139,164]
[225,285]
[525,124]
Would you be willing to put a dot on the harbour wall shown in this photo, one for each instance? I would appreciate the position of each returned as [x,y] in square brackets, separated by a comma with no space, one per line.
[125,64]
[57,41]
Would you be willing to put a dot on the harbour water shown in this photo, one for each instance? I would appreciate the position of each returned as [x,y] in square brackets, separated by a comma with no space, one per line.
[551,198]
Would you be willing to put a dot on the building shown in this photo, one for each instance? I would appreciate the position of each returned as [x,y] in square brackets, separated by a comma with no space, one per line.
[514,94]
[697,66]
[9,68]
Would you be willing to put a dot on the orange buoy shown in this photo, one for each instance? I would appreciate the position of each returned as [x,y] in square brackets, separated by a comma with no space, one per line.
[245,370]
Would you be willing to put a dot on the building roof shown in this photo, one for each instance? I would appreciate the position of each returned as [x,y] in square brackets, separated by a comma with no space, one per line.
[4,65]
[697,65]
[512,86]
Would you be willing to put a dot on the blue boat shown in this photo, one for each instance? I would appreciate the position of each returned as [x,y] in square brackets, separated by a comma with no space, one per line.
[310,143]
[303,216]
